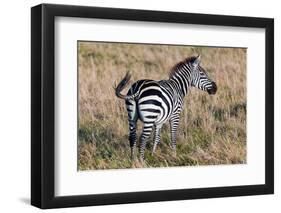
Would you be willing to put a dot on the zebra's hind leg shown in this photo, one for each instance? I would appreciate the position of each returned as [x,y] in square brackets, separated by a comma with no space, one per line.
[133,138]
[174,123]
[132,117]
[146,132]
[157,137]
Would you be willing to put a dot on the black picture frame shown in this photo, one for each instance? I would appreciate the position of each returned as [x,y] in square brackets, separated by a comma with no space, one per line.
[43,105]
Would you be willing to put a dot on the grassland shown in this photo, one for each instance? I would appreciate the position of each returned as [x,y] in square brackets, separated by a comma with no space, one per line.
[212,128]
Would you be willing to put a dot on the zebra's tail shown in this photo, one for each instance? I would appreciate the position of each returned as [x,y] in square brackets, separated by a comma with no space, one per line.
[122,84]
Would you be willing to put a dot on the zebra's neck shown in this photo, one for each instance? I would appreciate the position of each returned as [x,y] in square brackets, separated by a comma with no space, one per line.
[181,81]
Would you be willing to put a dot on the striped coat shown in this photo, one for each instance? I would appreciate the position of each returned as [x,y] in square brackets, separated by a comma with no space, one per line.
[157,102]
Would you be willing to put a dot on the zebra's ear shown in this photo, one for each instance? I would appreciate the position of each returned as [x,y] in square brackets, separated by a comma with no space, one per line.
[197,60]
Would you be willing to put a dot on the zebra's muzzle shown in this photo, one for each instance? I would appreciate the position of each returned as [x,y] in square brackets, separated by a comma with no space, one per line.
[213,89]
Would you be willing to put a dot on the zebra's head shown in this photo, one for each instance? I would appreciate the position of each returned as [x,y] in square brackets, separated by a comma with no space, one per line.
[200,79]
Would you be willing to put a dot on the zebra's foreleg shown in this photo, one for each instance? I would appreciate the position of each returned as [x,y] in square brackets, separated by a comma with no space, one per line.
[157,137]
[147,129]
[174,123]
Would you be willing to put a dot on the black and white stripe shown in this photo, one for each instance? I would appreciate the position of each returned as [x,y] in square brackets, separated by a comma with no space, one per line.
[156,102]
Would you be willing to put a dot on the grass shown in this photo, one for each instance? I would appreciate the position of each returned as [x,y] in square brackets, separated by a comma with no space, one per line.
[212,129]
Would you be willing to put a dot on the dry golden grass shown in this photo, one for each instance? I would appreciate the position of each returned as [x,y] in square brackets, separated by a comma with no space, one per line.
[212,128]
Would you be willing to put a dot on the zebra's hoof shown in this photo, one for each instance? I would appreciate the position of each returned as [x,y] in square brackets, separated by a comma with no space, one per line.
[174,151]
[142,162]
[174,154]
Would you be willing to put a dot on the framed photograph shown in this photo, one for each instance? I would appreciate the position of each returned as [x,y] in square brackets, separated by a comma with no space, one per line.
[139,106]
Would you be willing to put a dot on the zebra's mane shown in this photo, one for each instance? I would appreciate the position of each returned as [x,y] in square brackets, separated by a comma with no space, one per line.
[176,68]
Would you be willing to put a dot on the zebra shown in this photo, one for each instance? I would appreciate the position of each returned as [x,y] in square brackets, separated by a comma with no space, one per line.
[156,102]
